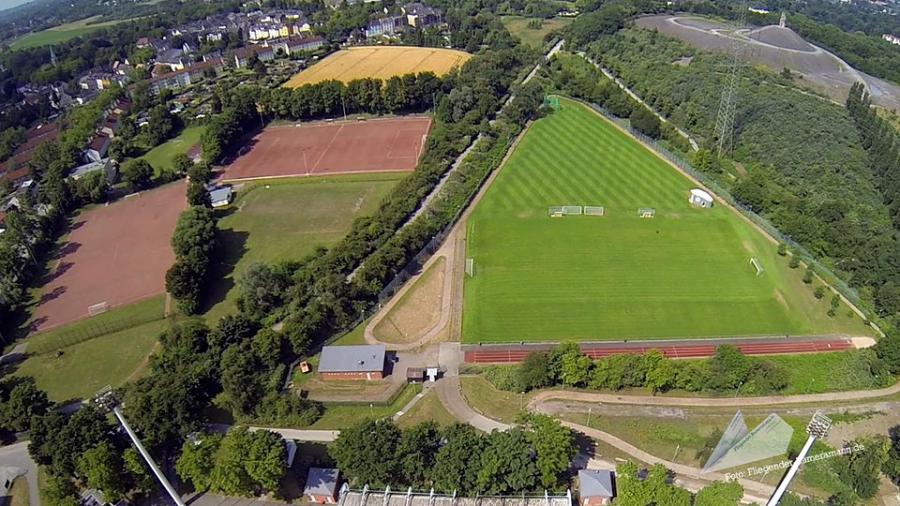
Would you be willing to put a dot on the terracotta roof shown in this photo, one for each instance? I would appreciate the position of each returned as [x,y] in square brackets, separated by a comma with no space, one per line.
[99,142]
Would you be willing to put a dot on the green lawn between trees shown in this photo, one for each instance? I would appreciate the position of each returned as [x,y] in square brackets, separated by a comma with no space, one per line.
[161,157]
[286,219]
[534,37]
[684,273]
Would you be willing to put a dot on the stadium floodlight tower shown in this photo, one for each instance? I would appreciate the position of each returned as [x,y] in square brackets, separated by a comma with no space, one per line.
[817,428]
[107,399]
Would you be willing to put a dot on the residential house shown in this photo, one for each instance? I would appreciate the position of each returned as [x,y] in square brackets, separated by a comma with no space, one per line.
[186,77]
[97,148]
[386,26]
[173,58]
[106,165]
[111,126]
[596,487]
[242,55]
[422,16]
[220,196]
[322,485]
[297,45]
[96,81]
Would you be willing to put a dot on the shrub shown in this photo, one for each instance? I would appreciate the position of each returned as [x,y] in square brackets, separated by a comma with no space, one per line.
[782,249]
[819,292]
[504,377]
[794,262]
[808,275]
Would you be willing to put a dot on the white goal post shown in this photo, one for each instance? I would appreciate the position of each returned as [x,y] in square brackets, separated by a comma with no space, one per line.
[99,308]
[646,212]
[757,265]
[470,267]
[594,211]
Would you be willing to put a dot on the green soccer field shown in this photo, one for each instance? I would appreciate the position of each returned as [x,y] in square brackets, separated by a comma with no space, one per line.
[684,273]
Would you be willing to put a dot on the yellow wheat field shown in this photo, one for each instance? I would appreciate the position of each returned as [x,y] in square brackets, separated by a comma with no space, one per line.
[382,62]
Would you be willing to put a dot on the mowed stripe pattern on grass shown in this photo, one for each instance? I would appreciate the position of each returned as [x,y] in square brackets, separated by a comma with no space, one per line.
[684,273]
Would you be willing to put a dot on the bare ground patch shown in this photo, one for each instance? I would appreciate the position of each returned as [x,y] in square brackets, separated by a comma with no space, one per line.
[418,311]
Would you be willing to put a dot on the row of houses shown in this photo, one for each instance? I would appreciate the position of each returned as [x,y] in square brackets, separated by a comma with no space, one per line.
[414,15]
[240,58]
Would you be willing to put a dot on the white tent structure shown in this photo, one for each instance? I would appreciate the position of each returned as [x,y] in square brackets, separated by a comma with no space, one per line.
[700,198]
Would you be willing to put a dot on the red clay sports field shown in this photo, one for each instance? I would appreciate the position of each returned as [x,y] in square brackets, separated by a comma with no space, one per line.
[117,254]
[513,353]
[323,148]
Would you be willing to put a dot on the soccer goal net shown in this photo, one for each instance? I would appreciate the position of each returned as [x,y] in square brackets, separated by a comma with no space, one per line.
[470,267]
[99,308]
[646,212]
[558,211]
[756,265]
[594,211]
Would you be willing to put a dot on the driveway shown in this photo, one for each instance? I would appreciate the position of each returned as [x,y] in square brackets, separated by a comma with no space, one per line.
[17,456]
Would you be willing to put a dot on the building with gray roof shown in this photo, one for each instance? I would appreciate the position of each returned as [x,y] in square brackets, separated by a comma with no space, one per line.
[365,362]
[596,486]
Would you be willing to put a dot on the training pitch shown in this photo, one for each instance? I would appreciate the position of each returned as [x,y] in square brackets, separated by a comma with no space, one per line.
[684,273]
[380,62]
[380,145]
[117,254]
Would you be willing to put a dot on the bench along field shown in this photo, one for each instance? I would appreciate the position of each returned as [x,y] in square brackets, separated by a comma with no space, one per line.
[684,272]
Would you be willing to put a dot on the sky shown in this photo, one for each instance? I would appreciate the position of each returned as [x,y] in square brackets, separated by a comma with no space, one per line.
[8,4]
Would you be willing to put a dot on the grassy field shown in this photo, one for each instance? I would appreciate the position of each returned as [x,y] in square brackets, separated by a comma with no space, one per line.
[161,156]
[339,416]
[61,33]
[493,403]
[380,62]
[286,220]
[684,273]
[429,408]
[534,37]
[683,439]
[81,370]
[114,320]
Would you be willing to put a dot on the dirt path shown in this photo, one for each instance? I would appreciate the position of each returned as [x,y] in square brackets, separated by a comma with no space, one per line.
[719,402]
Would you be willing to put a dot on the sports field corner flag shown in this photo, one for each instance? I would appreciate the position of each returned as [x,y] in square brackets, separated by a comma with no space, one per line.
[739,446]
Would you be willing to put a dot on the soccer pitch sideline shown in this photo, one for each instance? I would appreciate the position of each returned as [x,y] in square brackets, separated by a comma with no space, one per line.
[685,272]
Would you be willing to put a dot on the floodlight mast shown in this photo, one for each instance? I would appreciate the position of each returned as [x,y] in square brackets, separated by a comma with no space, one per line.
[817,428]
[107,399]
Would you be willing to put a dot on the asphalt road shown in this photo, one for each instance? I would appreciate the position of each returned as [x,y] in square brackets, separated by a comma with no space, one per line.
[17,456]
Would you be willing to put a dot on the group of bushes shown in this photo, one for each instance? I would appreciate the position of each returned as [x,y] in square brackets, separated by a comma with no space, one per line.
[566,365]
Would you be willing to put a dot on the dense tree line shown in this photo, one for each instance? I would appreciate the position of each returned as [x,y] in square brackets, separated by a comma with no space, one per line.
[882,143]
[531,457]
[193,241]
[800,162]
[242,463]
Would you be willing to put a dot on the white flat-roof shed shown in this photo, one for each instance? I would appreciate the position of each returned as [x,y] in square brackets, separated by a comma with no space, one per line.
[700,198]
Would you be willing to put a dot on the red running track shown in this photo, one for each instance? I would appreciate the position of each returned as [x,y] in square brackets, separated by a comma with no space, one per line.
[671,351]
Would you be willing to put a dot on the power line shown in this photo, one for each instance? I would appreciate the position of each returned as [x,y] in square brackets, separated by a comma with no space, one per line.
[724,131]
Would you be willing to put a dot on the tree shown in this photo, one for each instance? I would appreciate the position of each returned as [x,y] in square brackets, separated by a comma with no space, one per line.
[455,467]
[197,195]
[720,494]
[808,275]
[645,121]
[25,400]
[137,173]
[554,445]
[416,454]
[888,349]
[861,469]
[182,163]
[137,469]
[197,459]
[264,458]
[728,368]
[242,382]
[535,371]
[819,292]
[103,468]
[366,452]
[506,464]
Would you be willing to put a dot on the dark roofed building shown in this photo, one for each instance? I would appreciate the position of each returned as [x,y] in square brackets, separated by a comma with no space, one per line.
[322,485]
[596,486]
[361,362]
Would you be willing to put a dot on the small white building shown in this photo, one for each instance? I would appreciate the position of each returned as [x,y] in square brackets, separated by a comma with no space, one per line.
[220,196]
[700,198]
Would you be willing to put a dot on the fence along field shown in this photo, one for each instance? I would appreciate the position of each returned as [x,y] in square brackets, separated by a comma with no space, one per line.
[381,62]
[684,272]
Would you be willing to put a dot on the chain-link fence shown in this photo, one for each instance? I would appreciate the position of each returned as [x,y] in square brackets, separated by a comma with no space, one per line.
[87,330]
